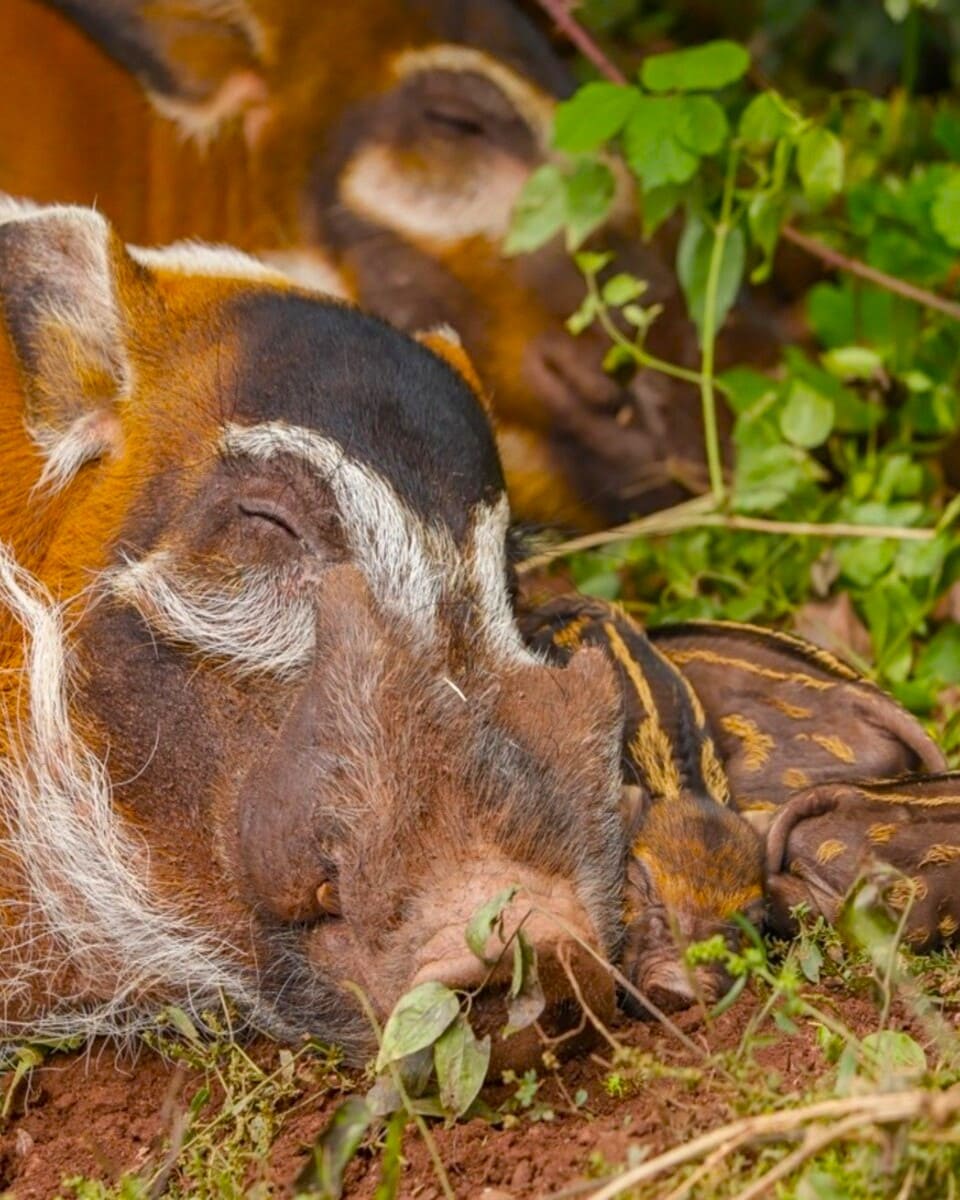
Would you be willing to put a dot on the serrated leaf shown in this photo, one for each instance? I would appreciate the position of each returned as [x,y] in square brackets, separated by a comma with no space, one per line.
[945,212]
[596,113]
[485,920]
[461,1060]
[540,211]
[693,269]
[700,68]
[820,165]
[589,194]
[417,1020]
[808,416]
[335,1147]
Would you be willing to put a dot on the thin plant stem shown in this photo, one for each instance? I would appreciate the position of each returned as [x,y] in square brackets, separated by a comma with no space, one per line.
[698,514]
[708,355]
[641,356]
[439,1169]
[559,10]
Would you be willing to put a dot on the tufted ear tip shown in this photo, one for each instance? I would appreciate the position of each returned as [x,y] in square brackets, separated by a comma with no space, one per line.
[59,272]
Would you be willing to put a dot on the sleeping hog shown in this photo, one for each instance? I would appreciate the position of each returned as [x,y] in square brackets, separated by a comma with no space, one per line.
[267,720]
[385,143]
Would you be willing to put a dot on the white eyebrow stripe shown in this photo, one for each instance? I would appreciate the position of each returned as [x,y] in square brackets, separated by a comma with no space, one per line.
[408,563]
[401,557]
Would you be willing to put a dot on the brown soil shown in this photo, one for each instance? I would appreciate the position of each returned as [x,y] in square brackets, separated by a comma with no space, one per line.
[92,1115]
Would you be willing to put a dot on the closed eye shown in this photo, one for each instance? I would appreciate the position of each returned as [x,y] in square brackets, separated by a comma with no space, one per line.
[273,513]
[455,122]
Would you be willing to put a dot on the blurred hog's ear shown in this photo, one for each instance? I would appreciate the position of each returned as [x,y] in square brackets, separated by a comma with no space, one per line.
[59,269]
[199,61]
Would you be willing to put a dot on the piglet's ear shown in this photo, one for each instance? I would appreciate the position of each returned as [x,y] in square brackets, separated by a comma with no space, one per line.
[58,300]
[198,60]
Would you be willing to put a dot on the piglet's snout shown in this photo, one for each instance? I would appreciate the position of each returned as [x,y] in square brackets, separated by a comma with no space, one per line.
[568,963]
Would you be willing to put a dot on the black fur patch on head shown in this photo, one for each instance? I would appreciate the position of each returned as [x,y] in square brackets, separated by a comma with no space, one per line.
[386,400]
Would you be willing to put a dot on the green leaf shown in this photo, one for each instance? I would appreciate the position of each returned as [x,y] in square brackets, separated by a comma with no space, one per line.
[527,1000]
[693,268]
[658,204]
[701,68]
[589,193]
[807,417]
[811,960]
[418,1020]
[853,362]
[461,1059]
[892,1053]
[485,920]
[820,165]
[540,211]
[941,655]
[650,143]
[596,113]
[391,1158]
[765,214]
[335,1147]
[701,124]
[591,261]
[623,288]
[945,212]
[764,121]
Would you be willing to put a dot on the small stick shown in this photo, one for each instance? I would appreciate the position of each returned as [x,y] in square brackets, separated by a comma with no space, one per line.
[880,1108]
[853,266]
[571,28]
[691,515]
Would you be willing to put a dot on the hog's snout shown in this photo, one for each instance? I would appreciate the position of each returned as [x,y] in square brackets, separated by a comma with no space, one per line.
[567,952]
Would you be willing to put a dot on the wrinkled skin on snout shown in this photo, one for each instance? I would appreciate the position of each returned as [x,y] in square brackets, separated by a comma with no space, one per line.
[288,734]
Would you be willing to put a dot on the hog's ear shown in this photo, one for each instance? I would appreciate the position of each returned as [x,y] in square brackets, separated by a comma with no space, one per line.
[445,342]
[199,61]
[58,300]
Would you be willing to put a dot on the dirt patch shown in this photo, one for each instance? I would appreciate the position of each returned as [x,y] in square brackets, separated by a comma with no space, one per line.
[99,1116]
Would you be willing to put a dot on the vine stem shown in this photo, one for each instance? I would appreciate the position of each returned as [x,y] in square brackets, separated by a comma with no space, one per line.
[560,12]
[708,354]
[638,353]
[700,513]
